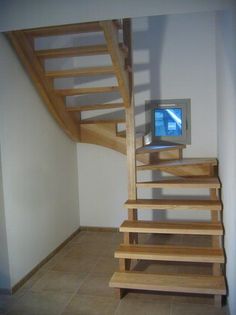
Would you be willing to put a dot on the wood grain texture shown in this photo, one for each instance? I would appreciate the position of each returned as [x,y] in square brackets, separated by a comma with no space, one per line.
[90,90]
[72,51]
[80,108]
[171,253]
[188,182]
[111,36]
[169,283]
[174,204]
[86,71]
[178,163]
[158,148]
[64,29]
[185,167]
[178,227]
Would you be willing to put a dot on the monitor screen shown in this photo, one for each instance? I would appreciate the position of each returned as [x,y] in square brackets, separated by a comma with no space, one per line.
[168,122]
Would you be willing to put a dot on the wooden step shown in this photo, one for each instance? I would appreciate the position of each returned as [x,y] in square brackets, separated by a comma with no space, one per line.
[158,148]
[177,204]
[191,228]
[188,182]
[94,107]
[81,91]
[122,134]
[177,163]
[171,253]
[169,283]
[77,51]
[88,71]
[102,121]
[72,51]
[65,29]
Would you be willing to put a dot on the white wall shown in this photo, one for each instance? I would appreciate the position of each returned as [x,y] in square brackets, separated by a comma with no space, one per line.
[16,14]
[226,75]
[4,263]
[174,57]
[39,170]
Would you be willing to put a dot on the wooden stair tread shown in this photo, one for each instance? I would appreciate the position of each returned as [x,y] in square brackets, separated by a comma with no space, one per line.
[122,134]
[90,90]
[158,148]
[176,163]
[72,51]
[115,117]
[86,71]
[174,204]
[181,182]
[192,228]
[94,107]
[171,253]
[102,121]
[66,29]
[76,51]
[169,283]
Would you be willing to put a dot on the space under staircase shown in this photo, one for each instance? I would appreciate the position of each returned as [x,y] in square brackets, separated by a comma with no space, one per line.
[104,130]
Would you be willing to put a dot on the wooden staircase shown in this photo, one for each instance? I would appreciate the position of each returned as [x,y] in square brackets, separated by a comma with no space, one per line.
[191,174]
[186,173]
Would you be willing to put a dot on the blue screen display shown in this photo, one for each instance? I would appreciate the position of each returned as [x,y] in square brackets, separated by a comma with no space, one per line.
[168,122]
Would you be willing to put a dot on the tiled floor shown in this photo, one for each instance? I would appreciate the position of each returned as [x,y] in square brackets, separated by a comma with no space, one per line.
[75,282]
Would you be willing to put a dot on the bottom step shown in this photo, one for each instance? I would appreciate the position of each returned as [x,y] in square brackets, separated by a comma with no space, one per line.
[169,283]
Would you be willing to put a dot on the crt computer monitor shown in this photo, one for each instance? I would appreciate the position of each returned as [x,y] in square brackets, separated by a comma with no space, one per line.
[170,122]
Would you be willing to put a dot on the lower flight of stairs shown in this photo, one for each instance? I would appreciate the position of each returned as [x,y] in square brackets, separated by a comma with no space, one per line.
[196,173]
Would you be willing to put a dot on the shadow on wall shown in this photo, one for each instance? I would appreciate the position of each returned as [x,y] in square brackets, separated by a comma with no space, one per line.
[144,40]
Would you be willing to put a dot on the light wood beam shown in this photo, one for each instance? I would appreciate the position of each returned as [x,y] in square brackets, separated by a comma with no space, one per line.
[111,36]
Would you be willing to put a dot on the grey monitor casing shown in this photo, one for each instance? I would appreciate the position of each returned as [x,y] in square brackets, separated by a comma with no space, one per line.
[184,104]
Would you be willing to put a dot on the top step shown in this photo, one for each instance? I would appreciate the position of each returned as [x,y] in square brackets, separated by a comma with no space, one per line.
[68,29]
[159,148]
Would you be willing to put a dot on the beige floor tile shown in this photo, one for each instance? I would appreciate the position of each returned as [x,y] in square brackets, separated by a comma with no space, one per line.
[97,237]
[195,309]
[91,305]
[97,284]
[109,250]
[193,299]
[59,281]
[78,237]
[28,285]
[139,307]
[106,265]
[85,248]
[46,303]
[71,264]
[149,296]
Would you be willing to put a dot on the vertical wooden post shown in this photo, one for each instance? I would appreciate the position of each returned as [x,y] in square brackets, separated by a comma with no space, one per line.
[130,129]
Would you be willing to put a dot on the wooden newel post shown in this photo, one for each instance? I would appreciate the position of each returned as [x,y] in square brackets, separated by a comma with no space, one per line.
[130,130]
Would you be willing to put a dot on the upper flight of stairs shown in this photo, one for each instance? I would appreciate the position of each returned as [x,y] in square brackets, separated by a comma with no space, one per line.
[114,42]
[183,173]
